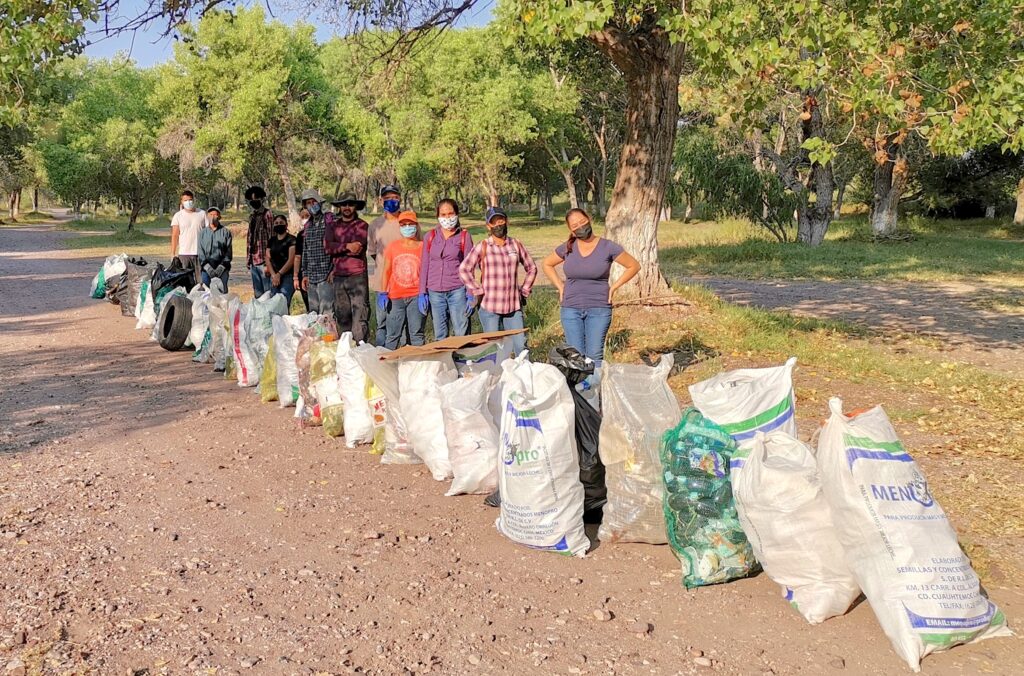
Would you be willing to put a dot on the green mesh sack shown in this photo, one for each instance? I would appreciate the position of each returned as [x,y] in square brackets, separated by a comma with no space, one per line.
[703,527]
[298,306]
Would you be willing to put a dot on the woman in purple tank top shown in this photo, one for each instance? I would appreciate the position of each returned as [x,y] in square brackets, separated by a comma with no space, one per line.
[586,293]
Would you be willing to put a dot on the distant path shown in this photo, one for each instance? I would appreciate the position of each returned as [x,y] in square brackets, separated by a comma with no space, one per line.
[956,312]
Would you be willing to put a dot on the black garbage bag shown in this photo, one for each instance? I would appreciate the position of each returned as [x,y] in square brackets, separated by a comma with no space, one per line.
[576,367]
[171,277]
[136,270]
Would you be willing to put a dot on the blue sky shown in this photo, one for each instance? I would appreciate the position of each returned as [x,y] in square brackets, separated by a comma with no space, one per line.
[147,47]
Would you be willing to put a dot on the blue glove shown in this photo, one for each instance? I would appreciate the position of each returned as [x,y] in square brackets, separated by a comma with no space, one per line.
[424,303]
[470,304]
[382,301]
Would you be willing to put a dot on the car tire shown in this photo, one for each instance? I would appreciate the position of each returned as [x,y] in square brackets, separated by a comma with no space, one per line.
[175,323]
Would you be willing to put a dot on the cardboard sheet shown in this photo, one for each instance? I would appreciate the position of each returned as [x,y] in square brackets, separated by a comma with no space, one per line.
[452,344]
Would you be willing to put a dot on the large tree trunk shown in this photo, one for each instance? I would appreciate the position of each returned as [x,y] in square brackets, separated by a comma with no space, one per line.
[286,182]
[570,183]
[35,198]
[651,66]
[891,174]
[815,217]
[1018,214]
[134,215]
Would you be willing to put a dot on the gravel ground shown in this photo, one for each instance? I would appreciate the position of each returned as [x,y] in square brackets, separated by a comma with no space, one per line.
[155,518]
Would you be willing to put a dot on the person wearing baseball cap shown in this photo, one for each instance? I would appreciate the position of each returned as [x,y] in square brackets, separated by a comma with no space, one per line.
[257,239]
[383,231]
[214,250]
[345,242]
[499,294]
[400,284]
[316,262]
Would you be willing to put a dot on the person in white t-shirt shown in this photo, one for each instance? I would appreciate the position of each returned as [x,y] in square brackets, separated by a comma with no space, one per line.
[186,225]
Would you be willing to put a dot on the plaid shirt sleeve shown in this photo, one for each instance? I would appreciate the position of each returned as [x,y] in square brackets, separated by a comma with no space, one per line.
[529,266]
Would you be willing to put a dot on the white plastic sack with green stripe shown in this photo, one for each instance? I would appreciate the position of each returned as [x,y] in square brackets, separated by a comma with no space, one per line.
[747,401]
[898,542]
[789,525]
[539,470]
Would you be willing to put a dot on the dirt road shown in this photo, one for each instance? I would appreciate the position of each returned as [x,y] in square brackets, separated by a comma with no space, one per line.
[155,518]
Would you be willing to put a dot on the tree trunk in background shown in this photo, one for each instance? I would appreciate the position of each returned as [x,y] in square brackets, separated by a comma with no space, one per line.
[837,209]
[688,214]
[35,198]
[891,174]
[1018,214]
[815,217]
[134,215]
[289,193]
[651,66]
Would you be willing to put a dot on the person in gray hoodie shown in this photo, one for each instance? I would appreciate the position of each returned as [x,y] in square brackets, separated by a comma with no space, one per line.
[214,249]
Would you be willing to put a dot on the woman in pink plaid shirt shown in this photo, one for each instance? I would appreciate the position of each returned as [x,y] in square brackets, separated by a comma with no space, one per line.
[499,294]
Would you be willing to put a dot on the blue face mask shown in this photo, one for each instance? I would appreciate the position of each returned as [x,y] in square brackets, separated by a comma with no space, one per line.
[392,206]
[408,231]
[314,208]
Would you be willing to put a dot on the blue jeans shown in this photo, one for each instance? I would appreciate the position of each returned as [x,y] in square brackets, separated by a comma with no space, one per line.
[587,329]
[260,281]
[445,305]
[206,279]
[491,321]
[287,287]
[404,314]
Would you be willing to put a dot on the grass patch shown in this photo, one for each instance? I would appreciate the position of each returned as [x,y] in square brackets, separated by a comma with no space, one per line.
[118,239]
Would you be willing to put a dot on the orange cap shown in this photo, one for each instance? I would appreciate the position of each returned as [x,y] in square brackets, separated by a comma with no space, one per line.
[407,217]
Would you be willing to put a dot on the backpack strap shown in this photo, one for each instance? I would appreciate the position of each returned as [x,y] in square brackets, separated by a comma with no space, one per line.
[462,242]
[430,240]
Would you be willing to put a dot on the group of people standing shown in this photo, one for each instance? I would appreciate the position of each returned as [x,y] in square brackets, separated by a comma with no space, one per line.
[441,273]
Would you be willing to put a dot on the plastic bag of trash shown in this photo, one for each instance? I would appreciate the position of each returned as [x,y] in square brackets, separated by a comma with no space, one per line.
[472,435]
[323,380]
[747,401]
[789,525]
[172,276]
[144,312]
[352,382]
[251,326]
[898,542]
[220,328]
[490,355]
[111,269]
[307,407]
[287,329]
[384,374]
[200,330]
[419,383]
[377,403]
[577,367]
[637,409]
[703,527]
[268,375]
[539,474]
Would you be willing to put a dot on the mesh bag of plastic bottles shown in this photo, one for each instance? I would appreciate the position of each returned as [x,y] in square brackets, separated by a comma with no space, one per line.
[703,527]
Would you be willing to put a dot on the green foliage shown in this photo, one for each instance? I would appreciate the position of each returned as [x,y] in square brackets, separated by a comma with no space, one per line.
[33,37]
[239,87]
[104,142]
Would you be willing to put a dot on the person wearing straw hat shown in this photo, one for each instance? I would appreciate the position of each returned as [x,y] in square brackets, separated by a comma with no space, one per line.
[214,250]
[345,242]
[257,239]
[316,262]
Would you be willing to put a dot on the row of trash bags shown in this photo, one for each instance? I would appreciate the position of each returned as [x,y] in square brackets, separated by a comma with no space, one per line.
[726,483]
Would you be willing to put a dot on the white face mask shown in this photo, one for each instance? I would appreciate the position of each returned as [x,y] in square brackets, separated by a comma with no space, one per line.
[448,222]
[188,204]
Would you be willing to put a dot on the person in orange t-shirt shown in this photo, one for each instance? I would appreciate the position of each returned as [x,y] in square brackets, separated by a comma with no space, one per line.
[400,284]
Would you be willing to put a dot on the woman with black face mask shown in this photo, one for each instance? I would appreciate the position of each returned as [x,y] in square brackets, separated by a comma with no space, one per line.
[586,294]
[281,260]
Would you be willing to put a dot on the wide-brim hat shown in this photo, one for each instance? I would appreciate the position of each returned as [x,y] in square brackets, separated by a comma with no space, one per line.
[254,192]
[349,198]
[310,194]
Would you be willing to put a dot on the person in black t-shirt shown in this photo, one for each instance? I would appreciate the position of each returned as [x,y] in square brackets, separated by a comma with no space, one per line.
[299,239]
[282,258]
